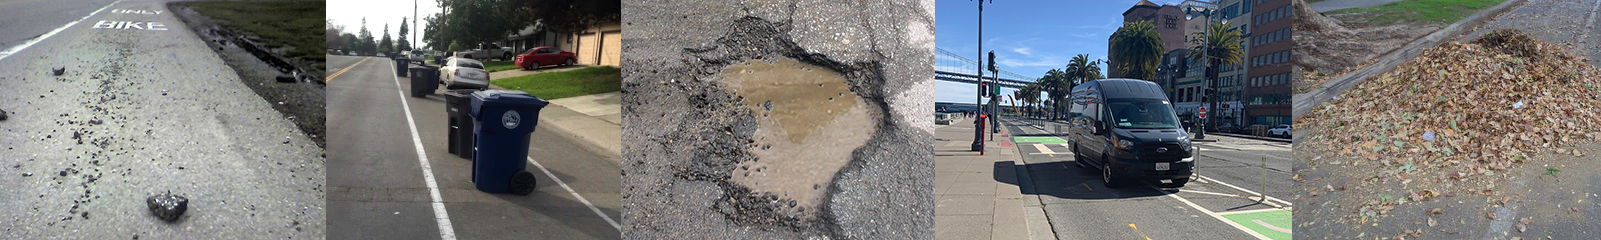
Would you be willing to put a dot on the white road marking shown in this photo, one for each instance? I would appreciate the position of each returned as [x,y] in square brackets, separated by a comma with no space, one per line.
[1043,149]
[1215,215]
[1270,226]
[1253,211]
[25,45]
[575,194]
[1270,198]
[131,11]
[440,216]
[124,25]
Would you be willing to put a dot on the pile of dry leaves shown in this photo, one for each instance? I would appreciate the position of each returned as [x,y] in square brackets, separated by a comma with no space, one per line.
[1470,107]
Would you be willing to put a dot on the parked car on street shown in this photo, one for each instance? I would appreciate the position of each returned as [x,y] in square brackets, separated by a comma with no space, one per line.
[1283,130]
[544,56]
[487,51]
[1127,129]
[463,73]
[415,56]
[1225,128]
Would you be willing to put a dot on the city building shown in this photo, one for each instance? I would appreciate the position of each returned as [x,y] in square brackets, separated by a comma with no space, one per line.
[1237,14]
[1173,67]
[1169,21]
[1267,83]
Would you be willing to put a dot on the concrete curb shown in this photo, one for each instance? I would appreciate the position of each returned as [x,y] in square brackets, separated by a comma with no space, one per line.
[1303,102]
[1253,137]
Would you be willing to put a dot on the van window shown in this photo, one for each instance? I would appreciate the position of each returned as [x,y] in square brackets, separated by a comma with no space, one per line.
[1141,114]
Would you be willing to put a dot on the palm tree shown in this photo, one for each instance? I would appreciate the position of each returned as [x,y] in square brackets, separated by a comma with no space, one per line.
[1137,48]
[1219,45]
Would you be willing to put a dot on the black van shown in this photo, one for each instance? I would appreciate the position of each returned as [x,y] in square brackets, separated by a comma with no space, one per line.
[1127,129]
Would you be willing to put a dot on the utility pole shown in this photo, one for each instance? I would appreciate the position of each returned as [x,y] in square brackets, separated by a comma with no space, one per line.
[978,132]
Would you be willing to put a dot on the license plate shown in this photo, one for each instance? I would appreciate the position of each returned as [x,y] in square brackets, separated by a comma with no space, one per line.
[1162,166]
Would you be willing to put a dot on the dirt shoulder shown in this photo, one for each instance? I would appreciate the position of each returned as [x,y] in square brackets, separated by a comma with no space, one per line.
[288,83]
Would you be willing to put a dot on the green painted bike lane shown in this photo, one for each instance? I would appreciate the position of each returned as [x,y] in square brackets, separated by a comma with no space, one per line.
[1274,224]
[1045,140]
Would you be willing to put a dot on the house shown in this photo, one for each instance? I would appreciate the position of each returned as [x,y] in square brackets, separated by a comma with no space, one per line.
[597,45]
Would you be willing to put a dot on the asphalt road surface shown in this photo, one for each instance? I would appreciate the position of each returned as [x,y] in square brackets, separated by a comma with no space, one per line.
[690,138]
[1221,203]
[378,188]
[143,107]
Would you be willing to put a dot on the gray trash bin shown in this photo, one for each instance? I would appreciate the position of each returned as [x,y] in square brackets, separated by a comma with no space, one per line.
[401,64]
[458,109]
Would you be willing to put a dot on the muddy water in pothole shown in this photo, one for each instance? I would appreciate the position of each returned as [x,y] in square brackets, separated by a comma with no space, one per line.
[809,122]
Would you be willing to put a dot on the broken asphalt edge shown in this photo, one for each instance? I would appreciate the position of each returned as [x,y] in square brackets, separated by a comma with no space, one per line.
[1303,103]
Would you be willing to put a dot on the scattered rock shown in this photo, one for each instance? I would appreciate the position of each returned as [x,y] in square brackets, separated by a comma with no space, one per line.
[168,207]
[286,79]
[58,71]
[27,174]
[3,116]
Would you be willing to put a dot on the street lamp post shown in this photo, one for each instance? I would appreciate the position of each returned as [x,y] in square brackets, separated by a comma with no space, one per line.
[978,132]
[1207,9]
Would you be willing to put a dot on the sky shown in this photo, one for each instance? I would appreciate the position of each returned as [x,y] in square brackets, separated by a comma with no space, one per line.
[1028,37]
[348,13]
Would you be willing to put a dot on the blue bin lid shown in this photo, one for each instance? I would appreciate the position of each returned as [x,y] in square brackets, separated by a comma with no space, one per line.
[510,98]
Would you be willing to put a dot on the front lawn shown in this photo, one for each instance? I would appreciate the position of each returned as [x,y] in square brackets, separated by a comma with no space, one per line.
[570,83]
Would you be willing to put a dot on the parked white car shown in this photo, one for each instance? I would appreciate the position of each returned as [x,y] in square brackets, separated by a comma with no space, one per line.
[462,73]
[1283,130]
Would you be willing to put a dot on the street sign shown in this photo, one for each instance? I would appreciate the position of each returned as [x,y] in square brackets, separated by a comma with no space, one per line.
[1203,112]
[995,90]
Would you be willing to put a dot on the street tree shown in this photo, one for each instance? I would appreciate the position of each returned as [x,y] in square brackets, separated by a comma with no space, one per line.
[480,21]
[351,42]
[567,16]
[333,35]
[387,45]
[405,42]
[366,46]
[1220,45]
[1137,49]
[433,34]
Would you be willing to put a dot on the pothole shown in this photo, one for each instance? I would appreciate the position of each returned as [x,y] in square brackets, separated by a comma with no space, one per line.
[809,123]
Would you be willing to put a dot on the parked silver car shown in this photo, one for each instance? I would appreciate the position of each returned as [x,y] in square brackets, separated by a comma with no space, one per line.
[463,73]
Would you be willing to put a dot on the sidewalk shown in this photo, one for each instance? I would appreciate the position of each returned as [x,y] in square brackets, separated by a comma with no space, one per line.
[978,196]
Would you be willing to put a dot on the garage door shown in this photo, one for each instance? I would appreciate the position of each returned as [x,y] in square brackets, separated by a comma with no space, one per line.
[588,46]
[611,51]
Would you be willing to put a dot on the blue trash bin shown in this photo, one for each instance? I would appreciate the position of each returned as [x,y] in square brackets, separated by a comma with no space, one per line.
[502,122]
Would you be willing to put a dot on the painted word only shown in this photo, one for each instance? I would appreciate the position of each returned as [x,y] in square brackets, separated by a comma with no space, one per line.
[131,11]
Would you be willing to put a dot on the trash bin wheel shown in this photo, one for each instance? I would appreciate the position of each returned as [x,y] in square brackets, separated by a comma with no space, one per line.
[522,183]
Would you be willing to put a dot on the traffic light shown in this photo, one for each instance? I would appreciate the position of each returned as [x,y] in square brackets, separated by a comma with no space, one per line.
[983,89]
[992,61]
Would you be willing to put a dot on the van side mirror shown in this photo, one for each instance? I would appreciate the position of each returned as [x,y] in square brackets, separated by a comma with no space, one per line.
[1100,128]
